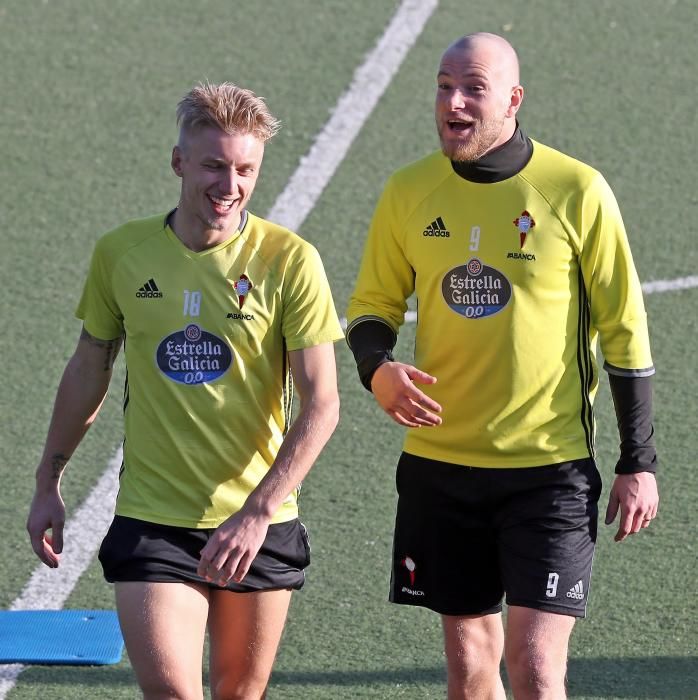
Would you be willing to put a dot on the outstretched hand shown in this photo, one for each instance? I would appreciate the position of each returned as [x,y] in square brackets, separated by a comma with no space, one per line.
[637,498]
[393,385]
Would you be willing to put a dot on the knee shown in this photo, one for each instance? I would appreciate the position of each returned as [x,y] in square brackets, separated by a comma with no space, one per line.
[169,691]
[536,672]
[234,689]
[475,662]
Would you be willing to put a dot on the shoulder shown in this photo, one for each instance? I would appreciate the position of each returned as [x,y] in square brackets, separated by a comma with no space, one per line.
[422,175]
[407,188]
[559,176]
[275,244]
[133,233]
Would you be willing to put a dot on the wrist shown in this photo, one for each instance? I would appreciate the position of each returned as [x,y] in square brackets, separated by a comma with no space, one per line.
[369,379]
[256,507]
[51,468]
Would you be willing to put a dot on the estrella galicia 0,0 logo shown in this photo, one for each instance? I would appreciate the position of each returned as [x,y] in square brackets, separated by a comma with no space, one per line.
[475,290]
[193,356]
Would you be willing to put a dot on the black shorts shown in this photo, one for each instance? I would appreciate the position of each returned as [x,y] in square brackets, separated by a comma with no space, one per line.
[136,550]
[465,536]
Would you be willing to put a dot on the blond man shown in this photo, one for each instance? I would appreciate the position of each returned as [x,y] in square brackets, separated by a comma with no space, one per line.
[222,313]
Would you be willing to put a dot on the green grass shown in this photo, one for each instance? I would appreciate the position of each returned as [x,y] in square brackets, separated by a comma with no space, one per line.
[89,91]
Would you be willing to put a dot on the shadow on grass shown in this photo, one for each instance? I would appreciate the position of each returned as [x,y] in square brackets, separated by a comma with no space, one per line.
[656,677]
[670,677]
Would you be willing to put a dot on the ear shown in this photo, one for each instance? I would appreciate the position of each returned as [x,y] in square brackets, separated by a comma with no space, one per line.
[515,100]
[176,161]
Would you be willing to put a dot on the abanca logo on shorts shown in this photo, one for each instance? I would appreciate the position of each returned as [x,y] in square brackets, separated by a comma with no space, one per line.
[409,564]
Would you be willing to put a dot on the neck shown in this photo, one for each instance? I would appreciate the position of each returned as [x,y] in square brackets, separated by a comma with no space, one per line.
[195,235]
[507,132]
[500,163]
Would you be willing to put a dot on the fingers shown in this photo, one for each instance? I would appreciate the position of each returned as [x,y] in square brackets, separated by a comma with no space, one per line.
[394,389]
[228,555]
[218,570]
[41,544]
[611,508]
[222,569]
[406,420]
[631,524]
[47,541]
[213,561]
[416,375]
[417,397]
[45,526]
[637,498]
[647,518]
[412,415]
[57,537]
[625,526]
[632,520]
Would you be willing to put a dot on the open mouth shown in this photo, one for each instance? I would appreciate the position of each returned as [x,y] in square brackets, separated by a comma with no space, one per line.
[221,206]
[459,126]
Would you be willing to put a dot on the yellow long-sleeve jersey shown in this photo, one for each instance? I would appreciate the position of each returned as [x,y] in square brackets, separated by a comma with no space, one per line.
[516,281]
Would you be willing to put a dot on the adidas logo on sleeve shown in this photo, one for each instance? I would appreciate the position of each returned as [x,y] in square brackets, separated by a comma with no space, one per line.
[437,228]
[149,291]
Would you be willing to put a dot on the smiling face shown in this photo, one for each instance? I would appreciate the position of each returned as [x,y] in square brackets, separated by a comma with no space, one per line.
[477,96]
[219,172]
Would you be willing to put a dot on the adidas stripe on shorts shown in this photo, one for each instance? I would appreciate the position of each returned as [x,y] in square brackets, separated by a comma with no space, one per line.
[467,537]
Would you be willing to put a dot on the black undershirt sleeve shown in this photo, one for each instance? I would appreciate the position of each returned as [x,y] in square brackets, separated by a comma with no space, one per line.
[632,398]
[372,343]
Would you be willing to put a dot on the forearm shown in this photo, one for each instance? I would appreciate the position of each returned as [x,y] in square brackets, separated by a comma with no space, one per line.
[632,398]
[371,340]
[80,395]
[303,443]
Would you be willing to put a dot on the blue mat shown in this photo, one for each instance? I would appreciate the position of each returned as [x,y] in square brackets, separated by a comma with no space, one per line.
[72,637]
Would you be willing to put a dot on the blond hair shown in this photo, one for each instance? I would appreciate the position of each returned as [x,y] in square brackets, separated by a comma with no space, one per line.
[228,107]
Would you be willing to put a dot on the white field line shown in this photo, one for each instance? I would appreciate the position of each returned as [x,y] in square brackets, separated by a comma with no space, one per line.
[670,285]
[351,111]
[647,287]
[49,588]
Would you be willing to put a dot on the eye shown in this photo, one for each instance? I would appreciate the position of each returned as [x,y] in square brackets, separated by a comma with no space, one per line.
[443,86]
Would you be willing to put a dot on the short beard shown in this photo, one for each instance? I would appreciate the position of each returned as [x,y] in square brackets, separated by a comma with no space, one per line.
[214,224]
[480,141]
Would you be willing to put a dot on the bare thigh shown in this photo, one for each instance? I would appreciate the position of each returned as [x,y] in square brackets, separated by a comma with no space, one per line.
[244,631]
[164,626]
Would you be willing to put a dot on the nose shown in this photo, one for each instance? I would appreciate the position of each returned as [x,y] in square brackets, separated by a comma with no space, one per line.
[227,181]
[456,99]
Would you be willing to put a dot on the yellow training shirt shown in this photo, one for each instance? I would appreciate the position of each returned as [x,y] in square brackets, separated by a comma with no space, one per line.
[516,281]
[208,396]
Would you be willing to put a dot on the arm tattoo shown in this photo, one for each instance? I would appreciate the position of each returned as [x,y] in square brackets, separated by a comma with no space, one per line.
[110,347]
[58,462]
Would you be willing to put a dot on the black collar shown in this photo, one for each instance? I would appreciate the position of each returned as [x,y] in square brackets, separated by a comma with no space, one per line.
[502,163]
[168,218]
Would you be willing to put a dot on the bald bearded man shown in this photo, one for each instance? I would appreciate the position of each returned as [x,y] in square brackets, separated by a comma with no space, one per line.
[520,264]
